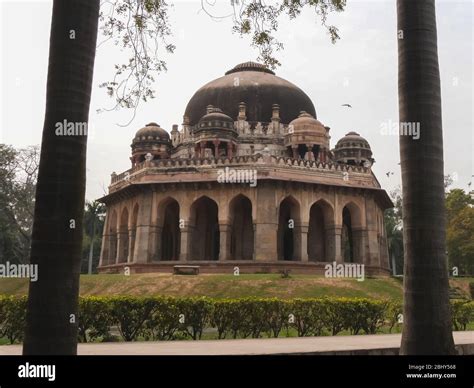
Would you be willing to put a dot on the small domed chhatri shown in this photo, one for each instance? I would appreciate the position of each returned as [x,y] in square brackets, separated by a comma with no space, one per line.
[307,135]
[220,191]
[353,149]
[150,139]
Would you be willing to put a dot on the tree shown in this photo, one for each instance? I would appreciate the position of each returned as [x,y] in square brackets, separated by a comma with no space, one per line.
[427,318]
[394,228]
[460,231]
[51,323]
[259,19]
[51,326]
[93,225]
[18,174]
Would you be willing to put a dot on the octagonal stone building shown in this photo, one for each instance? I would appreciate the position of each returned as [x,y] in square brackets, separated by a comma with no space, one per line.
[250,180]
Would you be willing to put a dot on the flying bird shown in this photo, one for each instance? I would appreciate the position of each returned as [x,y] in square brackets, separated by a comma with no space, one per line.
[348,105]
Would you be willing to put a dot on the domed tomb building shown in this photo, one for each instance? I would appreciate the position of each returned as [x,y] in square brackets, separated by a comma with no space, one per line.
[249,180]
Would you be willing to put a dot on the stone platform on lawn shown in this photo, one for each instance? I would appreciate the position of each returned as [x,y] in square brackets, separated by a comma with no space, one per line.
[380,344]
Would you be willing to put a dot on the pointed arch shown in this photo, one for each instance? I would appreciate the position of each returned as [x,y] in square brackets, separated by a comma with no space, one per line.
[321,215]
[288,234]
[350,241]
[170,236]
[241,228]
[204,223]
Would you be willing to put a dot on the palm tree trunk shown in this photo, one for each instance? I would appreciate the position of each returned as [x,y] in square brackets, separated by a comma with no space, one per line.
[427,318]
[51,326]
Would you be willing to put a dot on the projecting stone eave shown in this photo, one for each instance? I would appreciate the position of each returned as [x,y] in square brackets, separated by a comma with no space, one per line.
[131,188]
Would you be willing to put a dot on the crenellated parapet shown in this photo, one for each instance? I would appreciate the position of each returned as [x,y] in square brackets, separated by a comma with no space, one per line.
[266,165]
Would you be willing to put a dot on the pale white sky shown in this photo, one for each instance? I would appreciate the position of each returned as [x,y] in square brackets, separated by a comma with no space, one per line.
[360,69]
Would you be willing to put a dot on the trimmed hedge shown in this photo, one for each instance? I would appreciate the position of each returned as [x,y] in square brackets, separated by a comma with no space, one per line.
[462,313]
[12,317]
[166,318]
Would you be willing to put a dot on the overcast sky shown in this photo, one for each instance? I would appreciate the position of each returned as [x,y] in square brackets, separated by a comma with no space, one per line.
[360,69]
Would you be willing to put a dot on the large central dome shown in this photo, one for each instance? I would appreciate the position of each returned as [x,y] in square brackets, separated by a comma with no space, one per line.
[255,85]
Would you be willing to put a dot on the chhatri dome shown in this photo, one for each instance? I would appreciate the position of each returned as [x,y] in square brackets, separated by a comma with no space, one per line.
[220,190]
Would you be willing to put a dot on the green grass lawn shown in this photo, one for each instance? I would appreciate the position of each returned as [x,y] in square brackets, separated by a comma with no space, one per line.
[223,285]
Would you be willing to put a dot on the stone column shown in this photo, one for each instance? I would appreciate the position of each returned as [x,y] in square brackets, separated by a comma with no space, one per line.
[142,240]
[216,148]
[229,150]
[372,254]
[113,249]
[295,152]
[224,240]
[118,246]
[186,234]
[131,244]
[303,228]
[155,242]
[254,255]
[266,223]
[358,244]
[334,241]
[266,241]
[104,249]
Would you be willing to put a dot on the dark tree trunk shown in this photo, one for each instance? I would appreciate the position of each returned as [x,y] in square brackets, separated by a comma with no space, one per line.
[51,326]
[427,318]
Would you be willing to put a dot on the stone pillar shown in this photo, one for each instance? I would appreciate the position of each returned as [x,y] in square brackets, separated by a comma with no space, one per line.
[122,247]
[254,255]
[229,150]
[216,148]
[131,244]
[113,249]
[358,242]
[266,241]
[142,240]
[224,240]
[155,243]
[104,249]
[295,152]
[334,241]
[372,254]
[266,223]
[303,246]
[186,234]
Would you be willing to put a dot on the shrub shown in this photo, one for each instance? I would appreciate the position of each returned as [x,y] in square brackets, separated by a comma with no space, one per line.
[310,316]
[337,314]
[164,320]
[462,313]
[196,313]
[130,314]
[395,308]
[94,318]
[12,317]
[276,314]
[227,317]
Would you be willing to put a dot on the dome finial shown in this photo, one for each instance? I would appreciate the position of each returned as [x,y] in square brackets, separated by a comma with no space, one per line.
[250,66]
